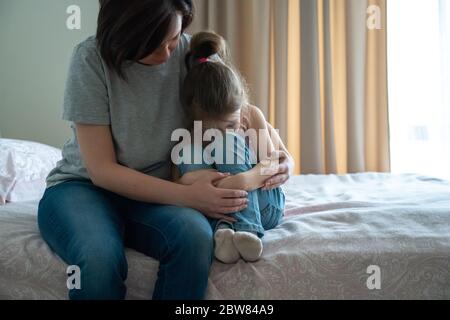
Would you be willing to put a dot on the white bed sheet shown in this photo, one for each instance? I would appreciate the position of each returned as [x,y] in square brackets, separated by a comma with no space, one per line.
[335,228]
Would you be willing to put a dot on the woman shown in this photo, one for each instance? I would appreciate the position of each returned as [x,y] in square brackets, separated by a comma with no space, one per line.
[112,188]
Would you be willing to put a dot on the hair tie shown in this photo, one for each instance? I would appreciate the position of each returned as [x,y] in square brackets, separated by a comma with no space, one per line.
[192,62]
[202,60]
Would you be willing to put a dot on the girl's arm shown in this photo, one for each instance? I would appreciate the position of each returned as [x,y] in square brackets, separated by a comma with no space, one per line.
[97,150]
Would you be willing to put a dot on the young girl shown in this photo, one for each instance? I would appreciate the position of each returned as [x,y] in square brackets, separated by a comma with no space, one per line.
[215,94]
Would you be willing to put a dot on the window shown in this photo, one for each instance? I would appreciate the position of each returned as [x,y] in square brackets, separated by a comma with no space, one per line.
[419,86]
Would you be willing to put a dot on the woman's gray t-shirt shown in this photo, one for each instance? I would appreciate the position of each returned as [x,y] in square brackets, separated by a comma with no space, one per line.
[142,111]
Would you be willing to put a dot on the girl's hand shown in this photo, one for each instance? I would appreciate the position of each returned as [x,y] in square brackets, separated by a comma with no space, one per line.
[285,169]
[213,202]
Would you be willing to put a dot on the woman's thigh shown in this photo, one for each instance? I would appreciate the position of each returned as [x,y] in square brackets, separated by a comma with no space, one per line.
[76,217]
[158,230]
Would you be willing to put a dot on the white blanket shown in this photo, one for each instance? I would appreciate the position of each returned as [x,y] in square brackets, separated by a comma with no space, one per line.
[337,228]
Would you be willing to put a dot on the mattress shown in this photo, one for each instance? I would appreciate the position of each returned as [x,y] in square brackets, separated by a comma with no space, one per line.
[363,236]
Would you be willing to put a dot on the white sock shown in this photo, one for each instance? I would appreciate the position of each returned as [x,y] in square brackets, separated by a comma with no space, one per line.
[249,245]
[225,251]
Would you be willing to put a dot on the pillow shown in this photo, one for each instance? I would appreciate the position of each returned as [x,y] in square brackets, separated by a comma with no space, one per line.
[24,167]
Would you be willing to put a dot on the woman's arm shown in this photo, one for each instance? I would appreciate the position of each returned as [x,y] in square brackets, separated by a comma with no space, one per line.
[277,140]
[268,134]
[286,163]
[98,154]
[258,122]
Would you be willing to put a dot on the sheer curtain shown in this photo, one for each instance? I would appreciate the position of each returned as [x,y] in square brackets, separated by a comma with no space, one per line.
[419,87]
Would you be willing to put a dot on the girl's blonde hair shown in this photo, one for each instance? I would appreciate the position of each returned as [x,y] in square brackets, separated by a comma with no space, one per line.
[213,87]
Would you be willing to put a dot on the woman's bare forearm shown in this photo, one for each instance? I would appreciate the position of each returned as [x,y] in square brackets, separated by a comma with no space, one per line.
[276,140]
[138,186]
[97,150]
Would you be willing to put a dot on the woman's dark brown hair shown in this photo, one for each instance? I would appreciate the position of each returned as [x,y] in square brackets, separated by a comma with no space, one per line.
[130,30]
[214,88]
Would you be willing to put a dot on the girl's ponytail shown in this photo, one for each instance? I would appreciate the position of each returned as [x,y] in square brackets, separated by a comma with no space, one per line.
[213,87]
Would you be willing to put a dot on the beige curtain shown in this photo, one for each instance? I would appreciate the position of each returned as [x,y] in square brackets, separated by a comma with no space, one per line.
[317,72]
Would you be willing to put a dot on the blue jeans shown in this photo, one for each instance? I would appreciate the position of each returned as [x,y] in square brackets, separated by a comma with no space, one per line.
[89,227]
[265,208]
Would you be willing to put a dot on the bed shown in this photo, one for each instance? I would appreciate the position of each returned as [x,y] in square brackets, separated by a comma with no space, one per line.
[339,233]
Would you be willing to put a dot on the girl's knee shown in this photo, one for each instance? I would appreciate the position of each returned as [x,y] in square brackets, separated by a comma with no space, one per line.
[192,158]
[234,156]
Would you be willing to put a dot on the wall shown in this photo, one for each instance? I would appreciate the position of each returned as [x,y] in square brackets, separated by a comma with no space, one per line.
[35,49]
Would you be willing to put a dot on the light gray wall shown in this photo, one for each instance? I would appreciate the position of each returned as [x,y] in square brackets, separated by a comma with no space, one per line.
[35,49]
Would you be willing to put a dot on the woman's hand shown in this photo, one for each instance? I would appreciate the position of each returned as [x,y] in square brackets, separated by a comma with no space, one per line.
[285,169]
[214,202]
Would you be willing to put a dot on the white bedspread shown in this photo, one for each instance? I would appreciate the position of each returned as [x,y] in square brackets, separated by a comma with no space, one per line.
[335,228]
